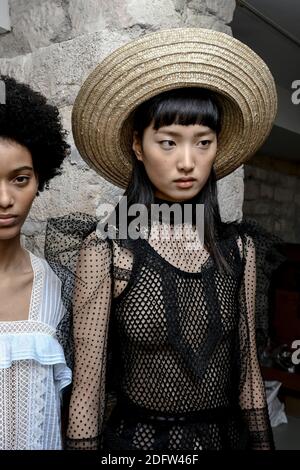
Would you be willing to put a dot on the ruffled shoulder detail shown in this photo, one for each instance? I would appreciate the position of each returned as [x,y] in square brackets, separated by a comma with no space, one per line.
[39,347]
[65,236]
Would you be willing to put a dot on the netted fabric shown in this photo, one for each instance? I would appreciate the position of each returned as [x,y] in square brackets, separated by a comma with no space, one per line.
[64,238]
[179,336]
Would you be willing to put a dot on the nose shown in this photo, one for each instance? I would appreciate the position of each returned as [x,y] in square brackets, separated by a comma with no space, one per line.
[186,160]
[6,199]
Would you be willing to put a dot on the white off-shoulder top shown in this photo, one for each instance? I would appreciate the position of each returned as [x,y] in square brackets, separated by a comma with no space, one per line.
[33,368]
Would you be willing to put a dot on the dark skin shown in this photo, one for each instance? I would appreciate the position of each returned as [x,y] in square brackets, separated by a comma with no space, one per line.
[27,118]
[33,147]
[18,188]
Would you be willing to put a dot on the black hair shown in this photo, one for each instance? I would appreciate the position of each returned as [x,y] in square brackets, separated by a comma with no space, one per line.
[184,106]
[27,119]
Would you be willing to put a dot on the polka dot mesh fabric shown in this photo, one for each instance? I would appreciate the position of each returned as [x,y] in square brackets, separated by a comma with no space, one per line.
[163,343]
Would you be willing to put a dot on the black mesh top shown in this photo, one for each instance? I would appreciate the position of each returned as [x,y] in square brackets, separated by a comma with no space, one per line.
[171,336]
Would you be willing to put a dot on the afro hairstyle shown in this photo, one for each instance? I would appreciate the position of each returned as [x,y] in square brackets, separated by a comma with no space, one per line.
[27,119]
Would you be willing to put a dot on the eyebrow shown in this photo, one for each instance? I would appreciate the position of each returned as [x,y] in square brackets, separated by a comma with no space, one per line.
[21,168]
[177,134]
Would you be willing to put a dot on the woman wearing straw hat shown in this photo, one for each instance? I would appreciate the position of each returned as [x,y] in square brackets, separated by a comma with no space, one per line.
[166,324]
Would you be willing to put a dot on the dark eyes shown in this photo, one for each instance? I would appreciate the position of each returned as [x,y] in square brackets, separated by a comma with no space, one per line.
[22,180]
[204,143]
[167,144]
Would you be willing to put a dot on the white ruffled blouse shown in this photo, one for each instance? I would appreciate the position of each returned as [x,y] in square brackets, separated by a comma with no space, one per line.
[33,369]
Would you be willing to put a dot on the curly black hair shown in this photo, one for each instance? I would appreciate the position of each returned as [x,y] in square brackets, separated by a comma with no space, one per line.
[27,118]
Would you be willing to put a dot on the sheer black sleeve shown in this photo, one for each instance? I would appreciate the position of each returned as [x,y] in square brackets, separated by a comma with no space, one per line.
[83,261]
[252,391]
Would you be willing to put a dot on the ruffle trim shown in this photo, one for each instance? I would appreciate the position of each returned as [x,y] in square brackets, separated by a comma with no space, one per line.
[38,347]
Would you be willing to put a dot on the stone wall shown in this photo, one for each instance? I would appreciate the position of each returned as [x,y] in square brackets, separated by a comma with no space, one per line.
[53,46]
[273,199]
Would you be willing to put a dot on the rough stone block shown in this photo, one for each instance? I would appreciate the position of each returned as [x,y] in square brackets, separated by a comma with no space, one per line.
[261,174]
[89,16]
[151,14]
[75,158]
[35,24]
[256,172]
[285,210]
[283,195]
[263,207]
[266,191]
[252,189]
[206,21]
[75,190]
[35,244]
[32,226]
[272,177]
[230,195]
[59,70]
[39,23]
[255,208]
[249,208]
[223,9]
[290,182]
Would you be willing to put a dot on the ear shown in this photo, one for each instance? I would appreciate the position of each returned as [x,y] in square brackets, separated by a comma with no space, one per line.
[137,146]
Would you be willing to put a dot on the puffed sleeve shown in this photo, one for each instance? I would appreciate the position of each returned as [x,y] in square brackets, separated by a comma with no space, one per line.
[92,301]
[83,261]
[252,392]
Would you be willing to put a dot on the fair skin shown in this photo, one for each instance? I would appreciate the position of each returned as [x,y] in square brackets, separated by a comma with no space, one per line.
[18,188]
[178,159]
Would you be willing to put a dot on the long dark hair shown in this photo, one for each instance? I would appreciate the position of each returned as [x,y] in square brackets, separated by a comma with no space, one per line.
[184,106]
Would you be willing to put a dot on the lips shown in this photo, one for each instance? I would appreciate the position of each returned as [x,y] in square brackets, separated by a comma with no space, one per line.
[7,220]
[7,216]
[183,179]
[185,183]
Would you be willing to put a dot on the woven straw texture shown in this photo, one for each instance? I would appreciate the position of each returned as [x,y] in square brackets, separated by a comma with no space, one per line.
[157,62]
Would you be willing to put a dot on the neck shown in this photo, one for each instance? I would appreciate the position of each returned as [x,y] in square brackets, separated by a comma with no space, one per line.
[159,200]
[12,254]
[186,214]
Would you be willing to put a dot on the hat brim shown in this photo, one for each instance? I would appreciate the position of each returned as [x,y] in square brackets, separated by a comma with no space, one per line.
[190,57]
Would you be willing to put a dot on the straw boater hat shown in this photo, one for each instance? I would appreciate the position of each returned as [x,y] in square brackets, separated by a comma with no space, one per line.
[161,61]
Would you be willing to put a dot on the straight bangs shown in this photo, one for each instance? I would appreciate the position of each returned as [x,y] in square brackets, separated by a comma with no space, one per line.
[183,106]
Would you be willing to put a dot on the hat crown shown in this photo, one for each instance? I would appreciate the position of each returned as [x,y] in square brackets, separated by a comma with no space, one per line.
[161,61]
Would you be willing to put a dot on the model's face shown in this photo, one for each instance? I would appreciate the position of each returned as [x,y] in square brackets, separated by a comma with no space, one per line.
[18,187]
[178,159]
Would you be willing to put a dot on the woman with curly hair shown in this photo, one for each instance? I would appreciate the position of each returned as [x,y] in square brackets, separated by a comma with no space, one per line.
[33,369]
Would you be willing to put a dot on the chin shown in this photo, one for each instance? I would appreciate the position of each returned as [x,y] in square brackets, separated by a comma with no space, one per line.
[8,233]
[186,195]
